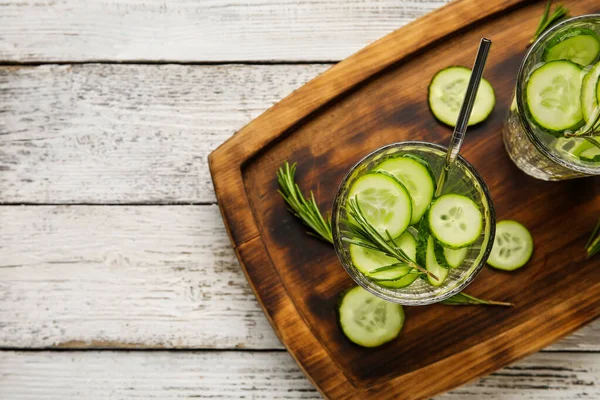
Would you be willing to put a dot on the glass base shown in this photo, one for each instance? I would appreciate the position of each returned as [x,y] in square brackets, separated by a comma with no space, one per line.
[527,157]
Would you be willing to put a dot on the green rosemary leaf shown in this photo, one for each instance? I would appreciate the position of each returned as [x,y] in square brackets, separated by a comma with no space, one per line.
[463,299]
[593,244]
[305,209]
[548,19]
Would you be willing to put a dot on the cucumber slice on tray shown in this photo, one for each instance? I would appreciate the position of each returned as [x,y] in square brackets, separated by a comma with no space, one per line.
[512,248]
[384,201]
[416,177]
[455,221]
[447,91]
[368,320]
[579,45]
[553,96]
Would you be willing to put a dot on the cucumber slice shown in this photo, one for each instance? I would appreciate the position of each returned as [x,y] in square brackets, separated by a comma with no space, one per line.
[368,320]
[433,266]
[417,179]
[573,146]
[384,201]
[447,91]
[450,258]
[579,45]
[408,244]
[589,97]
[455,221]
[553,96]
[405,281]
[367,260]
[591,154]
[513,246]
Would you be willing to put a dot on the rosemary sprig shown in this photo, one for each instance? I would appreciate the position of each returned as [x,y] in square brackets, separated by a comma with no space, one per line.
[593,245]
[305,209]
[362,233]
[463,299]
[309,213]
[548,20]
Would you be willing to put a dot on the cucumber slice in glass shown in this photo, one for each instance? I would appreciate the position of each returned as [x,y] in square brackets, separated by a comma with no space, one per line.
[579,45]
[384,201]
[573,146]
[417,179]
[367,260]
[589,97]
[455,221]
[368,320]
[450,258]
[591,155]
[512,248]
[447,91]
[553,96]
[405,281]
[433,266]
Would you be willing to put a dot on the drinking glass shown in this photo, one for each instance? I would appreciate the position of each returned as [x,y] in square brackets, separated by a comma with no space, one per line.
[534,151]
[462,179]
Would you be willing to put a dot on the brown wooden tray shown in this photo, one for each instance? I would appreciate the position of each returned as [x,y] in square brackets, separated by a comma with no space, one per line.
[376,97]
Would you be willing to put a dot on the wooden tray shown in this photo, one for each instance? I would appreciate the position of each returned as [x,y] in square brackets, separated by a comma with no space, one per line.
[376,97]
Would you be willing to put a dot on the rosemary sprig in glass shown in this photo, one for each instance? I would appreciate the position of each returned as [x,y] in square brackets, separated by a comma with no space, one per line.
[593,245]
[305,209]
[361,232]
[548,19]
[463,299]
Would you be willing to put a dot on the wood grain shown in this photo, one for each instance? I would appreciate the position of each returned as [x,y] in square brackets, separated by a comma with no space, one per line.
[329,124]
[264,375]
[126,133]
[135,277]
[198,31]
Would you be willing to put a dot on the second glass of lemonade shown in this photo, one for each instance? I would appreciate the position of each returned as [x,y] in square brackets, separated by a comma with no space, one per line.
[450,233]
[557,93]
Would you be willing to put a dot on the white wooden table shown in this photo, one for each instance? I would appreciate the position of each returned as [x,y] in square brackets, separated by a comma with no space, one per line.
[117,279]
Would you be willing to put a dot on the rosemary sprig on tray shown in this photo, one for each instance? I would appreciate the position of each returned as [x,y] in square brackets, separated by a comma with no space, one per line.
[305,209]
[309,213]
[361,233]
[593,245]
[547,20]
[463,299]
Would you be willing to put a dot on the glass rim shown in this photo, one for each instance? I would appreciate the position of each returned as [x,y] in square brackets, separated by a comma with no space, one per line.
[368,285]
[521,103]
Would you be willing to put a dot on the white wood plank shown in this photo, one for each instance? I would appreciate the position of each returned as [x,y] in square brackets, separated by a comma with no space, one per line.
[268,375]
[195,31]
[151,276]
[124,277]
[126,133]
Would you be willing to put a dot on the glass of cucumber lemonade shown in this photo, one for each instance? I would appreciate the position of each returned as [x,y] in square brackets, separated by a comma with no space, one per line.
[557,94]
[449,236]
